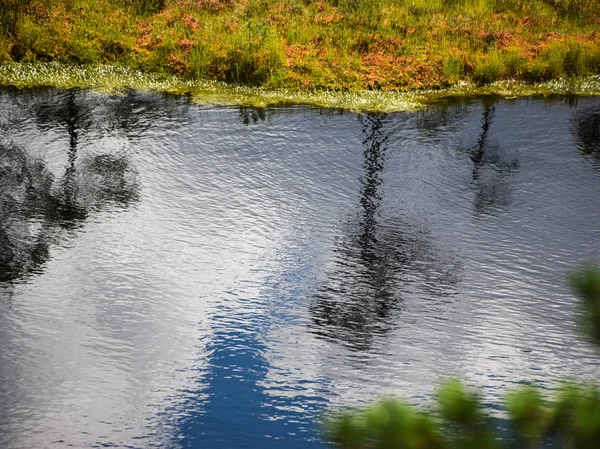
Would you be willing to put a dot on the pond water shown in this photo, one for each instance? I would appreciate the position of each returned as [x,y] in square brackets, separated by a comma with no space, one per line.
[178,276]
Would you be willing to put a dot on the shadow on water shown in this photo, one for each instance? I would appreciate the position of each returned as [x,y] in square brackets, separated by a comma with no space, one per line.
[491,174]
[35,205]
[137,112]
[375,258]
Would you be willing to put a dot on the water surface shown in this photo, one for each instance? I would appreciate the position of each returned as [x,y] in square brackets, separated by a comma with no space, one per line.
[182,276]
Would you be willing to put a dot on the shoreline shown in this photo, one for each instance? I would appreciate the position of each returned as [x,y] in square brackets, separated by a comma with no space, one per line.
[114,80]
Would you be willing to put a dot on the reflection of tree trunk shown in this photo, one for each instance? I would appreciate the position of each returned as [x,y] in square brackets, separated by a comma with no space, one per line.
[490,172]
[373,259]
[358,295]
[70,188]
[7,256]
[69,208]
[478,155]
[370,201]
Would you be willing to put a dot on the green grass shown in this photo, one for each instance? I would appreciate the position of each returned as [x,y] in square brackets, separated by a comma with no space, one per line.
[339,45]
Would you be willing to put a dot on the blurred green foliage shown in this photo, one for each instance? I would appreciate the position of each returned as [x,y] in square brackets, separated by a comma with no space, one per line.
[571,420]
[586,284]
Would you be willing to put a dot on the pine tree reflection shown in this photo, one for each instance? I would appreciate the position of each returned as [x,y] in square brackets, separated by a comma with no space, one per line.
[478,155]
[585,127]
[137,112]
[374,259]
[34,206]
[491,175]
[132,113]
[67,206]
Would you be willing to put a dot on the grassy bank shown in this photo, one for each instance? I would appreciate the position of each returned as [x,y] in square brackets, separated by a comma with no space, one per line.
[335,45]
[114,80]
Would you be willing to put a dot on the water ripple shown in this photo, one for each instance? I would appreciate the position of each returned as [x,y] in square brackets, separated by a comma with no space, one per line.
[182,276]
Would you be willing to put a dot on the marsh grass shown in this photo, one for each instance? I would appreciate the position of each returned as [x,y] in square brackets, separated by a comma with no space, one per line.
[347,45]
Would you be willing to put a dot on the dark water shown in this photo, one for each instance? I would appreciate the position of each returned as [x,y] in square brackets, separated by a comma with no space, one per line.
[178,276]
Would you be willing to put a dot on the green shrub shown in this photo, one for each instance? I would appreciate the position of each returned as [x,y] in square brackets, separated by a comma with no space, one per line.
[586,284]
[531,418]
[31,36]
[4,50]
[572,421]
[420,8]
[576,8]
[452,4]
[500,6]
[574,60]
[577,417]
[361,13]
[388,424]
[551,63]
[201,60]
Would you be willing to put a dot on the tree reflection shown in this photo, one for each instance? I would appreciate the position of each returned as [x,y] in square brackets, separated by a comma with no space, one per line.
[24,190]
[436,121]
[374,259]
[35,206]
[138,112]
[131,113]
[479,153]
[252,115]
[66,199]
[585,127]
[490,174]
